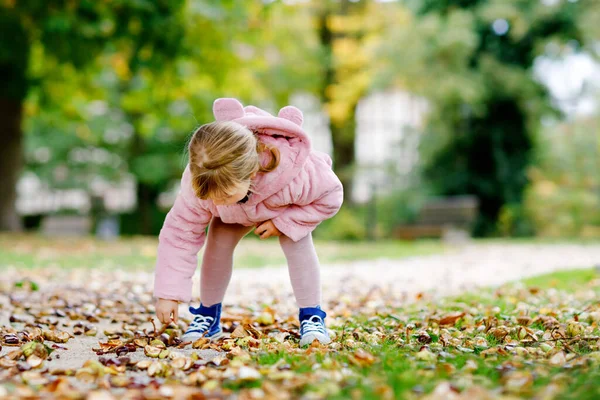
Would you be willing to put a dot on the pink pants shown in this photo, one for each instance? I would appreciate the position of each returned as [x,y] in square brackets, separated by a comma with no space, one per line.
[217,264]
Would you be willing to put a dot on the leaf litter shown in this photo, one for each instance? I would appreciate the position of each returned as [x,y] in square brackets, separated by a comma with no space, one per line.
[512,341]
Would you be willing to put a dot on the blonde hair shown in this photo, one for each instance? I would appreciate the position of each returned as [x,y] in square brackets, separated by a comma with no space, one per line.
[225,155]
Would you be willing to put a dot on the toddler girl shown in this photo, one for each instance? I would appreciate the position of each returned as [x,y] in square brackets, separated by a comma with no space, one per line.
[248,169]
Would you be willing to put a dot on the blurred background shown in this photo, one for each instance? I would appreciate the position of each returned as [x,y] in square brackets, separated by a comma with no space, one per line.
[445,118]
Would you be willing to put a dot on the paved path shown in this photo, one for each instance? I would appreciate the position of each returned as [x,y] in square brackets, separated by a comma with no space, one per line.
[455,271]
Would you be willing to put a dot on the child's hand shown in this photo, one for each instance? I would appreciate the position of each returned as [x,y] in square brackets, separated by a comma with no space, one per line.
[164,309]
[267,229]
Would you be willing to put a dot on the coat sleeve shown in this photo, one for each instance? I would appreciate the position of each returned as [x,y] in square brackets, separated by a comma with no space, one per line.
[316,195]
[180,240]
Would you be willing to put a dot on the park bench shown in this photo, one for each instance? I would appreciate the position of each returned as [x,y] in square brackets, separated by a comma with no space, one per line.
[66,225]
[440,218]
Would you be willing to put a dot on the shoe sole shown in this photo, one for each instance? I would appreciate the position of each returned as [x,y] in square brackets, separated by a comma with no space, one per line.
[195,336]
[310,337]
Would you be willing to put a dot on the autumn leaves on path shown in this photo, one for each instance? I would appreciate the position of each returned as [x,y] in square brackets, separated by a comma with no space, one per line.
[74,334]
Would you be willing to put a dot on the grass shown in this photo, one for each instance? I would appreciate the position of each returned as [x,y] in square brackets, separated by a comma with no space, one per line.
[570,281]
[401,370]
[32,251]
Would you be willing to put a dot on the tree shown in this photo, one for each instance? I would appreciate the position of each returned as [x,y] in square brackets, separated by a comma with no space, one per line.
[72,33]
[473,62]
[327,49]
[563,199]
[349,33]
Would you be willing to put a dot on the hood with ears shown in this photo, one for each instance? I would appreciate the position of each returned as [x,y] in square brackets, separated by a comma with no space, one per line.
[283,131]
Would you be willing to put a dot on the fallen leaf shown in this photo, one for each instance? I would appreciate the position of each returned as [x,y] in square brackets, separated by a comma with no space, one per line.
[558,359]
[239,332]
[450,320]
[362,358]
[248,374]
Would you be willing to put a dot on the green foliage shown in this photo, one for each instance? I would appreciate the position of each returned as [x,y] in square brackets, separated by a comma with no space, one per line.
[485,104]
[13,54]
[513,221]
[397,208]
[116,88]
[76,31]
[564,197]
[349,224]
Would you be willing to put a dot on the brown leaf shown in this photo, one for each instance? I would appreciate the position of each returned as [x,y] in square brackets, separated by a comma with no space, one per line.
[141,342]
[239,332]
[499,332]
[60,385]
[423,337]
[86,375]
[56,336]
[200,343]
[524,320]
[518,381]
[364,355]
[255,333]
[11,340]
[7,362]
[450,320]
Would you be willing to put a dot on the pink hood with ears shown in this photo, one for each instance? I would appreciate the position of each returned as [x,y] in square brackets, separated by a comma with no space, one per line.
[284,132]
[297,196]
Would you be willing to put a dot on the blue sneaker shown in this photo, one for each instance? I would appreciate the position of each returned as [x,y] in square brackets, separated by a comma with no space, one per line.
[206,323]
[312,326]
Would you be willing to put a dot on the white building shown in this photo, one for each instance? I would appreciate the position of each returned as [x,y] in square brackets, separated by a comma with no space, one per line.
[387,126]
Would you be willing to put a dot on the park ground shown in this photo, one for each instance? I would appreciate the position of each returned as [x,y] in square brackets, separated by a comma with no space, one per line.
[490,319]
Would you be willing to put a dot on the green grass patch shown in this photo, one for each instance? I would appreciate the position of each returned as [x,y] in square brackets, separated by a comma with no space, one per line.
[32,251]
[501,364]
[571,280]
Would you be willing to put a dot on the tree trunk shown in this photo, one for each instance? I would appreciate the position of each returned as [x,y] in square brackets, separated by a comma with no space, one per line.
[146,199]
[10,162]
[13,81]
[342,136]
[146,194]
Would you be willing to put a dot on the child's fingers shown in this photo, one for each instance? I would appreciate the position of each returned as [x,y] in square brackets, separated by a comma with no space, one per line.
[260,230]
[175,314]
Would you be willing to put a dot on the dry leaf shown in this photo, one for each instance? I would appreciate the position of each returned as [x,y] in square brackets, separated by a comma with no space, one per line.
[239,332]
[558,359]
[450,320]
[248,374]
[151,351]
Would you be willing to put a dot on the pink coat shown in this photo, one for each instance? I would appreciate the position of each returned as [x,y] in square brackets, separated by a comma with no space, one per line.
[298,195]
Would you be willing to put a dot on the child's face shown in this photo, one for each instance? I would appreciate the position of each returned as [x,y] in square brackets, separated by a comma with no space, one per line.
[238,195]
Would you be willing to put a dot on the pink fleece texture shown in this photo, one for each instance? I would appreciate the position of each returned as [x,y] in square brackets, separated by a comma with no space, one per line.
[299,194]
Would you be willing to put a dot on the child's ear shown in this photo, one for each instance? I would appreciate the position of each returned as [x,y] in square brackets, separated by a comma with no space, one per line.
[227,109]
[291,113]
